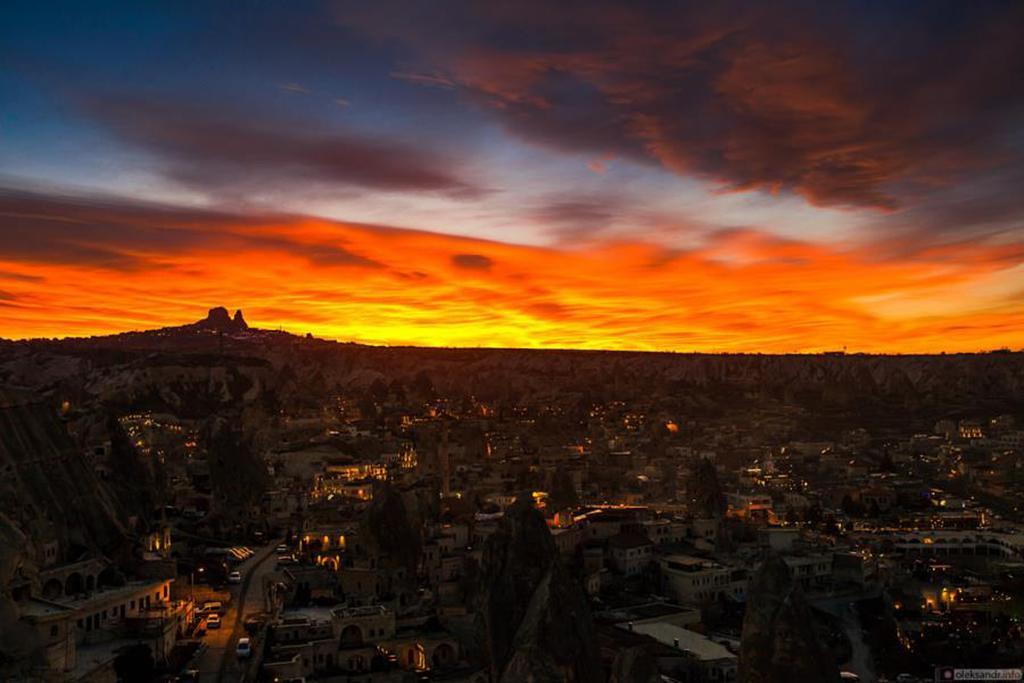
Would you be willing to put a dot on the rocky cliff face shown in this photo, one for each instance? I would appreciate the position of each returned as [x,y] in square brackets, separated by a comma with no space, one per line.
[534,620]
[48,487]
[237,473]
[21,648]
[634,665]
[779,642]
[49,491]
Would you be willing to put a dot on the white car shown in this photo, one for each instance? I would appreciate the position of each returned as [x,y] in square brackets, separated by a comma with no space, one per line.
[235,577]
[213,621]
[244,648]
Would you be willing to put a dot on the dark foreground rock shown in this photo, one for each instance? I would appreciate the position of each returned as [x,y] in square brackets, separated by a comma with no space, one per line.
[535,622]
[779,642]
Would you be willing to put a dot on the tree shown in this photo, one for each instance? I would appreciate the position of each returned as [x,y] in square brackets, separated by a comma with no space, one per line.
[704,492]
[886,464]
[422,386]
[378,390]
[852,507]
[397,390]
[813,514]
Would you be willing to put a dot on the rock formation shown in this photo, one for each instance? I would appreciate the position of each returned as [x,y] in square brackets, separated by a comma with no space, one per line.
[220,320]
[779,643]
[237,472]
[387,530]
[49,491]
[21,648]
[634,665]
[48,482]
[534,619]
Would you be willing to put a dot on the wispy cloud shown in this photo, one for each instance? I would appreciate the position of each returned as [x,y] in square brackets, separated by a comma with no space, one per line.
[294,87]
[433,80]
[229,151]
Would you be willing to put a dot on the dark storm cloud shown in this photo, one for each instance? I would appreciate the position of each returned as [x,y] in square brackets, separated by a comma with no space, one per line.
[220,150]
[119,234]
[991,204]
[857,104]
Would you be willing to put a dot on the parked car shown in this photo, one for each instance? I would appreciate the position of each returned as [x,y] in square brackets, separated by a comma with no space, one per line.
[213,621]
[213,607]
[235,577]
[244,648]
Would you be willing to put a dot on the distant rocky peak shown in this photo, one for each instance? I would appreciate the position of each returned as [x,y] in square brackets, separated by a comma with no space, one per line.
[219,319]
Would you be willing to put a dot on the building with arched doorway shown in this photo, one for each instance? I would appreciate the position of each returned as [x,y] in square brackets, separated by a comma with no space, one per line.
[354,625]
[359,640]
[422,651]
[88,614]
[73,579]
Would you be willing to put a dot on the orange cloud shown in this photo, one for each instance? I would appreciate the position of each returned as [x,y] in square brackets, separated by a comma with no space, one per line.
[739,291]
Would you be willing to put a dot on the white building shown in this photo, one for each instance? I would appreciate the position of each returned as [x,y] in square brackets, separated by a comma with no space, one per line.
[813,571]
[714,661]
[694,580]
[630,553]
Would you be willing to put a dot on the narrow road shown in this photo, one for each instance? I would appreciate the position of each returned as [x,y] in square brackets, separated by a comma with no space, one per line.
[219,663]
[843,607]
[861,662]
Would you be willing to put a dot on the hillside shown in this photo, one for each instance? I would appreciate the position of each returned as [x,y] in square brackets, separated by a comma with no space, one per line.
[221,363]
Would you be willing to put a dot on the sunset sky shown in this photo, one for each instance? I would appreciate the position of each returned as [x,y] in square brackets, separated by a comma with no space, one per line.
[761,177]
